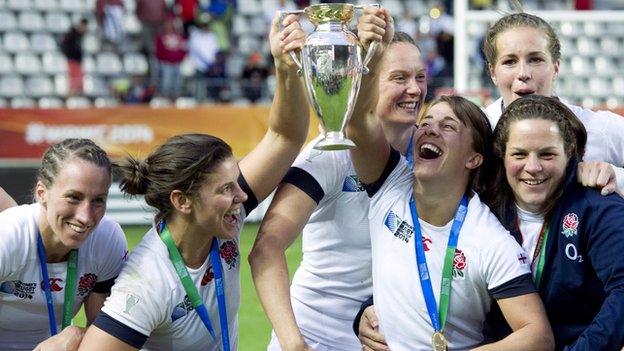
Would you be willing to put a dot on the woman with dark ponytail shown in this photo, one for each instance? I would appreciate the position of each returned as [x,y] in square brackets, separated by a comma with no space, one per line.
[181,287]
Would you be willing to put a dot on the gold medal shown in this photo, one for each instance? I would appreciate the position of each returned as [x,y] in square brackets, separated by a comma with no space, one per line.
[438,341]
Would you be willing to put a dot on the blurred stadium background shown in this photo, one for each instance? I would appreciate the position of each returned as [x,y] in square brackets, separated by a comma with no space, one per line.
[124,107]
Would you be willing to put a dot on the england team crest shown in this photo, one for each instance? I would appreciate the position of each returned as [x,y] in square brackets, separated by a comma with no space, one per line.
[570,225]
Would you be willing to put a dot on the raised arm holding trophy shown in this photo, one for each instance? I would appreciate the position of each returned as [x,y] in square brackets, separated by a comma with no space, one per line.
[332,67]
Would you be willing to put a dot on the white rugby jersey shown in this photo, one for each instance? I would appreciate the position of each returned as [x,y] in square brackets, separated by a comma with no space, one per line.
[335,274]
[149,298]
[605,135]
[23,309]
[488,263]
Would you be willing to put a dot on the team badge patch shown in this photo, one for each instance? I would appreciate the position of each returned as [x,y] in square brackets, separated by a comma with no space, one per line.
[229,253]
[352,184]
[570,225]
[86,284]
[18,289]
[399,228]
[459,264]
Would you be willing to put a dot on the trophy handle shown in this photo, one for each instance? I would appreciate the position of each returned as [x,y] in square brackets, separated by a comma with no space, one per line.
[293,55]
[372,47]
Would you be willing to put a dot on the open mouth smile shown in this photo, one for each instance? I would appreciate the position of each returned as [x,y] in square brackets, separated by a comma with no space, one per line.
[429,151]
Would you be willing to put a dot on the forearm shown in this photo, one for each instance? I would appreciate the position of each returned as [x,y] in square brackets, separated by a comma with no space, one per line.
[270,275]
[529,337]
[290,111]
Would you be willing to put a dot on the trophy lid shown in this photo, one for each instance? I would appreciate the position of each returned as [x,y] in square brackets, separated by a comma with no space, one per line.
[335,12]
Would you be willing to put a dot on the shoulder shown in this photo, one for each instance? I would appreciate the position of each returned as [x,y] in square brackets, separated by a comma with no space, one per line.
[601,118]
[483,228]
[149,258]
[19,221]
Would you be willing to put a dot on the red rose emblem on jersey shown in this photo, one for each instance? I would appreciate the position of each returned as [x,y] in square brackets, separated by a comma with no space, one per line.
[426,241]
[459,263]
[86,284]
[54,284]
[229,253]
[208,276]
[570,225]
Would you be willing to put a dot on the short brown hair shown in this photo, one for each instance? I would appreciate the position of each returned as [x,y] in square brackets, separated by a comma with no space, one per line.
[517,20]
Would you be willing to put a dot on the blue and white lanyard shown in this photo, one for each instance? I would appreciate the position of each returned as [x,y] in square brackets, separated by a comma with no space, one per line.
[421,260]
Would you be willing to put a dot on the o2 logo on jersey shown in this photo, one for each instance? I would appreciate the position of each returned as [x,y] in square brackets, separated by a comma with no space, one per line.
[572,253]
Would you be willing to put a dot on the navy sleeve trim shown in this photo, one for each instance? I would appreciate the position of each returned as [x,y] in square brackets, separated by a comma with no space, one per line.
[104,287]
[358,316]
[251,202]
[518,286]
[120,330]
[393,161]
[306,182]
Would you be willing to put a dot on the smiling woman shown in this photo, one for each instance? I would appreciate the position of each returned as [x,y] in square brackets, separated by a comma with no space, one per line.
[181,287]
[60,252]
[523,54]
[571,234]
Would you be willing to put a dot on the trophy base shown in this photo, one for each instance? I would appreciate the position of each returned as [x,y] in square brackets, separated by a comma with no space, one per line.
[332,144]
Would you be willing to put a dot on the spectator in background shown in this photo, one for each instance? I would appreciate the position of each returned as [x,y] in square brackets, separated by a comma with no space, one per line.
[110,18]
[170,51]
[203,47]
[71,46]
[151,13]
[254,77]
[133,90]
[435,64]
[218,87]
[187,11]
[407,24]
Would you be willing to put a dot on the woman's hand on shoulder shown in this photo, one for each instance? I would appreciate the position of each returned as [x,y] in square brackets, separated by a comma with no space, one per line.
[599,175]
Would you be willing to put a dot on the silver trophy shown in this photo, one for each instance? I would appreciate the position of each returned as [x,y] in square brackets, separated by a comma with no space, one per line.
[332,67]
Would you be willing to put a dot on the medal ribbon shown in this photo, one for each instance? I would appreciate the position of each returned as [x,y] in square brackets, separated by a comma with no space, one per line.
[70,287]
[191,290]
[438,321]
[539,254]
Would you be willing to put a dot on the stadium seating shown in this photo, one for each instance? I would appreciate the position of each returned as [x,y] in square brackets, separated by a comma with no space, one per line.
[30,30]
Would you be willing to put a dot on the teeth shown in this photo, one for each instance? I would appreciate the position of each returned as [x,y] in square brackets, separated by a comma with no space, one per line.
[431,148]
[76,228]
[410,105]
[534,181]
[233,212]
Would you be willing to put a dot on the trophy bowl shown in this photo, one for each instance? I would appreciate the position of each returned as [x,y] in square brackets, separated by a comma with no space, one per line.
[332,67]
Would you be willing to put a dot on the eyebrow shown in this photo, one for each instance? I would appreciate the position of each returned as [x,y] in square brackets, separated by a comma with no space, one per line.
[546,148]
[446,118]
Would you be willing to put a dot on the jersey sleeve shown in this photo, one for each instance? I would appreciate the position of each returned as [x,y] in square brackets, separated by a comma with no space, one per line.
[318,173]
[605,244]
[140,298]
[613,127]
[111,249]
[13,248]
[505,267]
